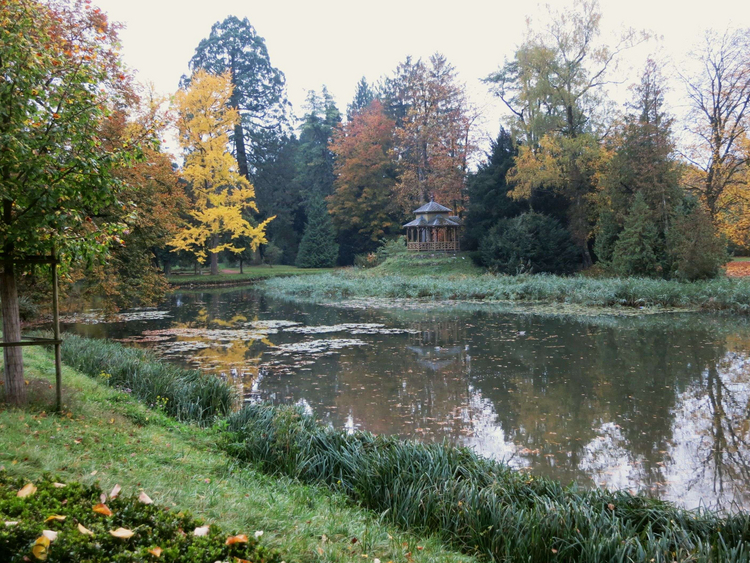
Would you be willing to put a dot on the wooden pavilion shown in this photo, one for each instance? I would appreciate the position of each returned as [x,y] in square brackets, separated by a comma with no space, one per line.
[434,229]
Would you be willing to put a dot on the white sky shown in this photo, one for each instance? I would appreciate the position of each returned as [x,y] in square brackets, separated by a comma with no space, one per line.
[336,42]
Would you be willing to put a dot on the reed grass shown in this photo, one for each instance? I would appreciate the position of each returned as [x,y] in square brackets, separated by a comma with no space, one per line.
[479,505]
[712,295]
[187,395]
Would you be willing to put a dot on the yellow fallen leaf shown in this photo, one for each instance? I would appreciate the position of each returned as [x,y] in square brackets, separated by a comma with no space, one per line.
[122,533]
[51,535]
[241,538]
[58,485]
[40,550]
[144,498]
[27,491]
[55,517]
[102,509]
[115,491]
[201,531]
[155,551]
[84,530]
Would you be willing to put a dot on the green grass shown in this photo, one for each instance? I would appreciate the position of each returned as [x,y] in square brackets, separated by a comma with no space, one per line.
[483,506]
[106,435]
[428,263]
[249,274]
[713,295]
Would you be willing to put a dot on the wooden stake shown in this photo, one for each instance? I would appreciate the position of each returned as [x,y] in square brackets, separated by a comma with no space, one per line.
[56,332]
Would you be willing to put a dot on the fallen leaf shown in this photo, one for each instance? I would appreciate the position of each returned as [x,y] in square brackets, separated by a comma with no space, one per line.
[155,551]
[58,485]
[554,550]
[40,550]
[115,492]
[51,535]
[103,498]
[84,530]
[12,523]
[611,506]
[238,560]
[241,538]
[55,517]
[27,491]
[94,472]
[201,531]
[122,533]
[102,509]
[144,498]
[258,533]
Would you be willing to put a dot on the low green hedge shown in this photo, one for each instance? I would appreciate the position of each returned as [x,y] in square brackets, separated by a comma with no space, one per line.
[23,521]
[187,395]
[480,505]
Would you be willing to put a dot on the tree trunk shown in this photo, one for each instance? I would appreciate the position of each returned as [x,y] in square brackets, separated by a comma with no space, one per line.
[15,391]
[167,268]
[241,265]
[214,255]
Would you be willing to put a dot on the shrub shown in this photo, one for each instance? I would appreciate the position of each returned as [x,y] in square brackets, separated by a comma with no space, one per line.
[153,526]
[272,254]
[696,249]
[530,243]
[187,395]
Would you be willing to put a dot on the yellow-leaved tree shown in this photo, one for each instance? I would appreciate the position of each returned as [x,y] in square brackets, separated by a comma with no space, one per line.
[221,197]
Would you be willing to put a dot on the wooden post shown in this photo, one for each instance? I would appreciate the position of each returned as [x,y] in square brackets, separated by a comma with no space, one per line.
[56,332]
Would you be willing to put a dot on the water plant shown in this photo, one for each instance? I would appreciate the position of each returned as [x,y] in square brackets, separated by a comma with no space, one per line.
[187,395]
[480,505]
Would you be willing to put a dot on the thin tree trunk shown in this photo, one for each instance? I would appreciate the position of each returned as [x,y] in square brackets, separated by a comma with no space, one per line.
[214,255]
[241,265]
[15,392]
[167,268]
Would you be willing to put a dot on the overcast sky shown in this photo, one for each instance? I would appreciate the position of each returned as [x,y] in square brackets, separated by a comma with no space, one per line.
[336,42]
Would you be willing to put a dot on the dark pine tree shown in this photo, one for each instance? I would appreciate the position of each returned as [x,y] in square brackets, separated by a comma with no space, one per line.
[363,97]
[318,248]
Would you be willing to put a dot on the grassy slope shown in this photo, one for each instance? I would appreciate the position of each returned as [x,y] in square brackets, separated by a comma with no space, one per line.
[249,274]
[180,465]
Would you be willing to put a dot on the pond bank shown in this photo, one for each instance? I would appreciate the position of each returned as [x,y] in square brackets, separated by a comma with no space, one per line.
[250,275]
[478,505]
[105,435]
[634,294]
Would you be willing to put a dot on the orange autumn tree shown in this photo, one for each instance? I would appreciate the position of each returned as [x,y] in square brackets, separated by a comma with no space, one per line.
[221,196]
[362,203]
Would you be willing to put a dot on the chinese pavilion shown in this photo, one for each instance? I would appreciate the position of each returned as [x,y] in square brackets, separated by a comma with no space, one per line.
[433,229]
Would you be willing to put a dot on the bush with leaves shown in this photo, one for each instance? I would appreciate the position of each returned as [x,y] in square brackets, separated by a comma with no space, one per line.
[68,522]
[634,252]
[272,254]
[530,243]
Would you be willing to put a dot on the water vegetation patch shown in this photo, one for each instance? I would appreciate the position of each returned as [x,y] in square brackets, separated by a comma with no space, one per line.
[635,294]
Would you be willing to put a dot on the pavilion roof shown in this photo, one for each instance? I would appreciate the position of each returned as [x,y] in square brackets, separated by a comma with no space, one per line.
[432,207]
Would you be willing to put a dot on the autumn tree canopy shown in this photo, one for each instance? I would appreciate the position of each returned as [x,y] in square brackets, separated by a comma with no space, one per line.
[220,194]
[61,80]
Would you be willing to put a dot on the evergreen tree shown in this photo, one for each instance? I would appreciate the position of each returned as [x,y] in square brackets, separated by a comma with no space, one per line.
[695,248]
[314,157]
[363,97]
[529,244]
[634,253]
[488,192]
[318,248]
[607,231]
[259,89]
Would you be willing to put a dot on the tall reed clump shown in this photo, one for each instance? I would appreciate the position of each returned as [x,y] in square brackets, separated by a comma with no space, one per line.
[187,395]
[480,505]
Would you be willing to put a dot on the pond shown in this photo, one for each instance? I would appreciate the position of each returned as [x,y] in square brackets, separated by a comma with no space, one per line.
[656,403]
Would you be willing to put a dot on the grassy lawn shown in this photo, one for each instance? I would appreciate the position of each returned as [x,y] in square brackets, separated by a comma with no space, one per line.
[250,273]
[105,435]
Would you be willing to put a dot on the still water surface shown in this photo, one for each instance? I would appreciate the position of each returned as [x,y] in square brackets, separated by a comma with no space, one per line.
[658,404]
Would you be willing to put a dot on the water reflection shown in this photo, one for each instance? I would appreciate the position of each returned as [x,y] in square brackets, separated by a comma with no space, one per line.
[657,404]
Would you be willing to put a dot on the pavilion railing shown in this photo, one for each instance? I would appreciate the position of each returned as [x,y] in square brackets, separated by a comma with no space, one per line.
[438,245]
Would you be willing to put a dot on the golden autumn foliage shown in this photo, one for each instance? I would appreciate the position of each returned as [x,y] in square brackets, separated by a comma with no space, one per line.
[220,194]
